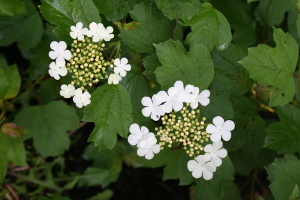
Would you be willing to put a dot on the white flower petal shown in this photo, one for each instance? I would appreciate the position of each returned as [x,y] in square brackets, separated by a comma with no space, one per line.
[142,151]
[218,121]
[146,101]
[215,137]
[222,153]
[228,125]
[134,128]
[226,135]
[149,155]
[207,175]
[192,165]
[208,148]
[211,128]
[147,111]
[197,173]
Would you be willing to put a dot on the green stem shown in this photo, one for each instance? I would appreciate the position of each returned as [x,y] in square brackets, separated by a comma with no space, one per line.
[38,182]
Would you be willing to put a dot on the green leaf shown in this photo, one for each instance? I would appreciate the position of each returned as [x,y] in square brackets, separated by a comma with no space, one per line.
[247,137]
[194,67]
[219,106]
[284,136]
[298,25]
[209,28]
[142,37]
[274,66]
[26,29]
[11,150]
[114,10]
[185,176]
[240,18]
[105,195]
[66,13]
[272,12]
[169,159]
[151,63]
[98,176]
[295,193]
[11,7]
[111,111]
[48,90]
[230,191]
[179,9]
[39,54]
[137,88]
[14,81]
[230,77]
[286,176]
[212,189]
[4,84]
[48,125]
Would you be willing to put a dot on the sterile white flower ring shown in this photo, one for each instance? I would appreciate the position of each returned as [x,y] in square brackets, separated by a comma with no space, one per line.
[220,129]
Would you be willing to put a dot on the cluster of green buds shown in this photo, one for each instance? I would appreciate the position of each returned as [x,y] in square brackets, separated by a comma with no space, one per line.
[88,64]
[182,129]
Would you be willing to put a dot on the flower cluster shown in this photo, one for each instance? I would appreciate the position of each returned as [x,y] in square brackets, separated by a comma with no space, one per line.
[86,61]
[183,128]
[144,140]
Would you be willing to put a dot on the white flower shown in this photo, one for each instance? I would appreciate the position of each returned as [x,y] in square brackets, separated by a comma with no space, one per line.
[114,78]
[148,147]
[222,47]
[107,34]
[137,133]
[196,98]
[99,32]
[78,31]
[122,66]
[201,166]
[60,53]
[215,152]
[153,107]
[220,129]
[95,31]
[81,99]
[56,71]
[67,91]
[171,100]
[183,93]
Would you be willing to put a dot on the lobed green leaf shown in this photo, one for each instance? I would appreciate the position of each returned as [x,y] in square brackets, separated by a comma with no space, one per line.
[48,125]
[194,67]
[179,9]
[111,111]
[154,28]
[274,66]
[209,28]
